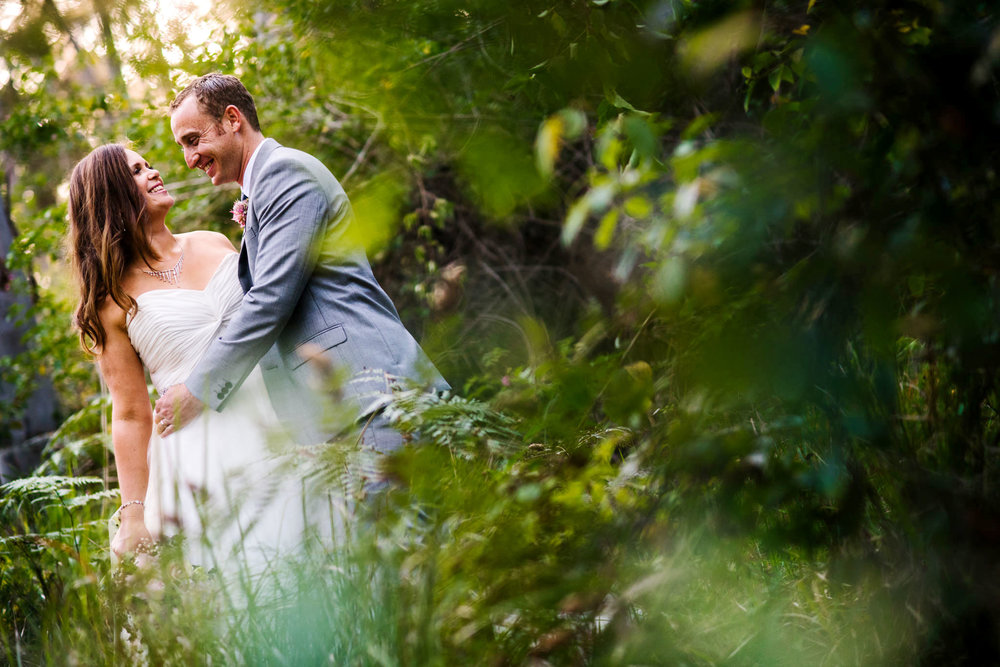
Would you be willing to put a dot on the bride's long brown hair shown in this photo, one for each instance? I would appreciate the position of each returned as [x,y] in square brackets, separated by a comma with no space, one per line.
[107,235]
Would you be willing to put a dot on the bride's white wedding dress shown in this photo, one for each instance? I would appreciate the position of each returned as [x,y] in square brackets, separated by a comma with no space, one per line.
[217,480]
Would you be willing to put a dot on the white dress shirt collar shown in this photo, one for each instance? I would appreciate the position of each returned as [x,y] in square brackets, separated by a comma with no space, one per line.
[248,174]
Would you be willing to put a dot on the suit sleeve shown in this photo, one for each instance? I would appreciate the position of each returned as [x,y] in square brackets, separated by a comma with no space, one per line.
[294,215]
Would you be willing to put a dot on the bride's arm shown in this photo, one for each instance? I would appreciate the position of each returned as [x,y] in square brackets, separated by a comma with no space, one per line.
[131,426]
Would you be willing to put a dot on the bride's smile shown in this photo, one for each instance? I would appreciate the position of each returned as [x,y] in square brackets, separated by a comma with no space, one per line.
[158,199]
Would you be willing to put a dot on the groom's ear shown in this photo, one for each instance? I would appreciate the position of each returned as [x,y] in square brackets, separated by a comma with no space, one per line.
[234,116]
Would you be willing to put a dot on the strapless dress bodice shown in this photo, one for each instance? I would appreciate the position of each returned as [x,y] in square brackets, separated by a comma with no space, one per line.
[172,328]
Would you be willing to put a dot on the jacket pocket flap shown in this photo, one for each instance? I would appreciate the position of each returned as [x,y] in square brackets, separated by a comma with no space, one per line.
[318,343]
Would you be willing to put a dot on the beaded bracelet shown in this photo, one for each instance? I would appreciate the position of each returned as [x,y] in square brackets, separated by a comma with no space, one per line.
[132,502]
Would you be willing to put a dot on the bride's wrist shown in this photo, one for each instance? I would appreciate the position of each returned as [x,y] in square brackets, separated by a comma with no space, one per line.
[133,509]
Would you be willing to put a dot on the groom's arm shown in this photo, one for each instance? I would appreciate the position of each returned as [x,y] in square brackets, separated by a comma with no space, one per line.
[293,213]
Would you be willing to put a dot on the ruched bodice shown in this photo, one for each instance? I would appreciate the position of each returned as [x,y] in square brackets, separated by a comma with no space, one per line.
[172,328]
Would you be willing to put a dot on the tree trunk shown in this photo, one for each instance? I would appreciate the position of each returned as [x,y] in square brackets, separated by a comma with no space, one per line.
[37,414]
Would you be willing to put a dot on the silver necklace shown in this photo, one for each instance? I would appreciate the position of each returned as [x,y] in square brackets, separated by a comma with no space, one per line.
[170,276]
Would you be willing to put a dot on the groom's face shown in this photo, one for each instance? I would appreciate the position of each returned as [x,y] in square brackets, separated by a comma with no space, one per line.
[209,144]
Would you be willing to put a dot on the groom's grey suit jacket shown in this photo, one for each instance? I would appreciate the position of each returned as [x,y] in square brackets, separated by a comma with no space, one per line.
[305,291]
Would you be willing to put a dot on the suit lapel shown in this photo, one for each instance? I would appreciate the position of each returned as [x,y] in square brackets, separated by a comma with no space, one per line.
[246,249]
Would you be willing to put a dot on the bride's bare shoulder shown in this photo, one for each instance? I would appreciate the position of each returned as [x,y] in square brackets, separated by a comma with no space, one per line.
[111,313]
[204,238]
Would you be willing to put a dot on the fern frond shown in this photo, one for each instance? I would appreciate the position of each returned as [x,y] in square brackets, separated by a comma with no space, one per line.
[42,492]
[49,486]
[467,426]
[37,541]
[24,542]
[98,496]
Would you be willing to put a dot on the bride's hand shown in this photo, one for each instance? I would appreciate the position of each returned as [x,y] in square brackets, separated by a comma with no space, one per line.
[175,409]
[132,536]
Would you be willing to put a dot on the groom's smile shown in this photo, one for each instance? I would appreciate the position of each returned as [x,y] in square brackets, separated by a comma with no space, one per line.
[212,145]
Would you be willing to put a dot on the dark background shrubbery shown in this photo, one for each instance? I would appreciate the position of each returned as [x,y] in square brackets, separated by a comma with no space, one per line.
[730,267]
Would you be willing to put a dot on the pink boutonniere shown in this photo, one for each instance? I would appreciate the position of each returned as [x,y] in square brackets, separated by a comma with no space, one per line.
[240,212]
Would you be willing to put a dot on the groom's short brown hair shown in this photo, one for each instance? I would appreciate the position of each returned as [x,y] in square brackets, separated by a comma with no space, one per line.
[215,92]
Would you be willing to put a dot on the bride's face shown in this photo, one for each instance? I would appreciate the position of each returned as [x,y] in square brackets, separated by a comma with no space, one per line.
[158,200]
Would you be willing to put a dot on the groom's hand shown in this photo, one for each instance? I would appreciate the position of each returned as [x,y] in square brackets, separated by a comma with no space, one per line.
[175,409]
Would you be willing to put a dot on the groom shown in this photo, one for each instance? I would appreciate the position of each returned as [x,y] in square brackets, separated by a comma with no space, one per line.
[307,294]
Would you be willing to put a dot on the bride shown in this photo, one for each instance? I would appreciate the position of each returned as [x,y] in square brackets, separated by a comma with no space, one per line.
[153,299]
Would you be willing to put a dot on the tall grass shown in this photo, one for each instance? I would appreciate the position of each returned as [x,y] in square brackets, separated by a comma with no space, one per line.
[487,551]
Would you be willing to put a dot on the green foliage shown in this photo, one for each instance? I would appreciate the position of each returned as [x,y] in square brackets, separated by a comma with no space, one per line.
[52,547]
[717,280]
[487,549]
[81,445]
